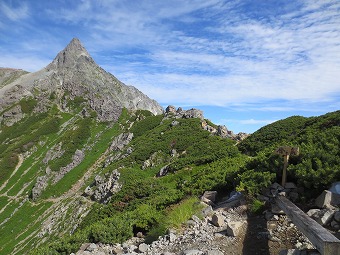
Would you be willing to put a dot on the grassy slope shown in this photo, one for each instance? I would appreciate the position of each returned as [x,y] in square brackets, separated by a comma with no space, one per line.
[35,134]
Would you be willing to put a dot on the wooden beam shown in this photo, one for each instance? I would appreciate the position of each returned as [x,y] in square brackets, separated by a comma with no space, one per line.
[322,239]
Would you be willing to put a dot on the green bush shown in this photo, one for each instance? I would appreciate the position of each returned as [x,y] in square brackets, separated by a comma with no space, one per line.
[253,182]
[115,229]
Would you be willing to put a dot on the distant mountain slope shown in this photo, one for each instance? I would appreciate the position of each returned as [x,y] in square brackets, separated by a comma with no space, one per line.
[8,75]
[73,74]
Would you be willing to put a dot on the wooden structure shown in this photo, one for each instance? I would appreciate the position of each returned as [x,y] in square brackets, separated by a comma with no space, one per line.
[324,241]
[286,151]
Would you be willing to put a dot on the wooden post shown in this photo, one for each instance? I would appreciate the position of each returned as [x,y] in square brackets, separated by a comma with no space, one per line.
[286,151]
[324,241]
[284,173]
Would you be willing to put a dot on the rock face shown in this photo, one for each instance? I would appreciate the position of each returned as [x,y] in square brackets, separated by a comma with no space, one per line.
[74,74]
[103,188]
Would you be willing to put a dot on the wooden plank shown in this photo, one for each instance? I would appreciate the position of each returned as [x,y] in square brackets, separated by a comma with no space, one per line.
[324,241]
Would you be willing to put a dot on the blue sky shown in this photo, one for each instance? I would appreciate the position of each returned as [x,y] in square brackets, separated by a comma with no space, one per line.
[244,63]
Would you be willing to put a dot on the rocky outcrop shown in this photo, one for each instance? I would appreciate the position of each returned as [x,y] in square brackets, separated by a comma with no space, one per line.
[73,73]
[11,116]
[53,153]
[117,146]
[171,112]
[154,160]
[77,158]
[40,186]
[121,141]
[104,187]
[220,130]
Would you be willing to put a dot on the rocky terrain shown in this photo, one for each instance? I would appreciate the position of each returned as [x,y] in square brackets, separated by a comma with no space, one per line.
[222,227]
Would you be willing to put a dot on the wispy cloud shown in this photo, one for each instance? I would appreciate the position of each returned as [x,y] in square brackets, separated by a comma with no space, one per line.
[15,13]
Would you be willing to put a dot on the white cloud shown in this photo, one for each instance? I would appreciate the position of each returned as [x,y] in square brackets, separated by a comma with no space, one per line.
[254,122]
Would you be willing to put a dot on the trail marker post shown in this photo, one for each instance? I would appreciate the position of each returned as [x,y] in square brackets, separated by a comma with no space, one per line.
[286,151]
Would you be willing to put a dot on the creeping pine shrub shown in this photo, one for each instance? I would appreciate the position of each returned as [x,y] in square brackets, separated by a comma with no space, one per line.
[252,181]
[112,230]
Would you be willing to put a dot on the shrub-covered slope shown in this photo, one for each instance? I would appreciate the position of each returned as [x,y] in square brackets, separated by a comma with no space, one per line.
[67,179]
[318,138]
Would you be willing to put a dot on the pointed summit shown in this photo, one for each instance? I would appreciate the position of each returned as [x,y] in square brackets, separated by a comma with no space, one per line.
[73,53]
[73,73]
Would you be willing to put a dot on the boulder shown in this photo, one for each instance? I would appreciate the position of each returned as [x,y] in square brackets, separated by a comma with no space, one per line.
[211,195]
[121,141]
[234,228]
[276,186]
[327,199]
[326,217]
[207,211]
[163,171]
[337,216]
[323,217]
[174,123]
[92,247]
[335,225]
[313,212]
[290,185]
[217,220]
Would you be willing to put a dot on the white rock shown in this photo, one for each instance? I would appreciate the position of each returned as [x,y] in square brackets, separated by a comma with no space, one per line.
[211,195]
[234,228]
[143,247]
[217,220]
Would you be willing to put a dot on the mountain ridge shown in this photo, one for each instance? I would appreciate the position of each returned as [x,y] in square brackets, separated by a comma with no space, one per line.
[73,73]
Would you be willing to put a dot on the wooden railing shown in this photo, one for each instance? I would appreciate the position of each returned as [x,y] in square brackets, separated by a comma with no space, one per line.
[322,239]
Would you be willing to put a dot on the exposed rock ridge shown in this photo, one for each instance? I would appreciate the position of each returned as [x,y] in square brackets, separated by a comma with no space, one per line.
[73,73]
[220,130]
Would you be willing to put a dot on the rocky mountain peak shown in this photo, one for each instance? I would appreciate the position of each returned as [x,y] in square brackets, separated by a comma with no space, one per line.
[73,54]
[74,74]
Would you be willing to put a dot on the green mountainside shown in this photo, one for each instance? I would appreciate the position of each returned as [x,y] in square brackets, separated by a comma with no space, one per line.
[194,161]
[71,173]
